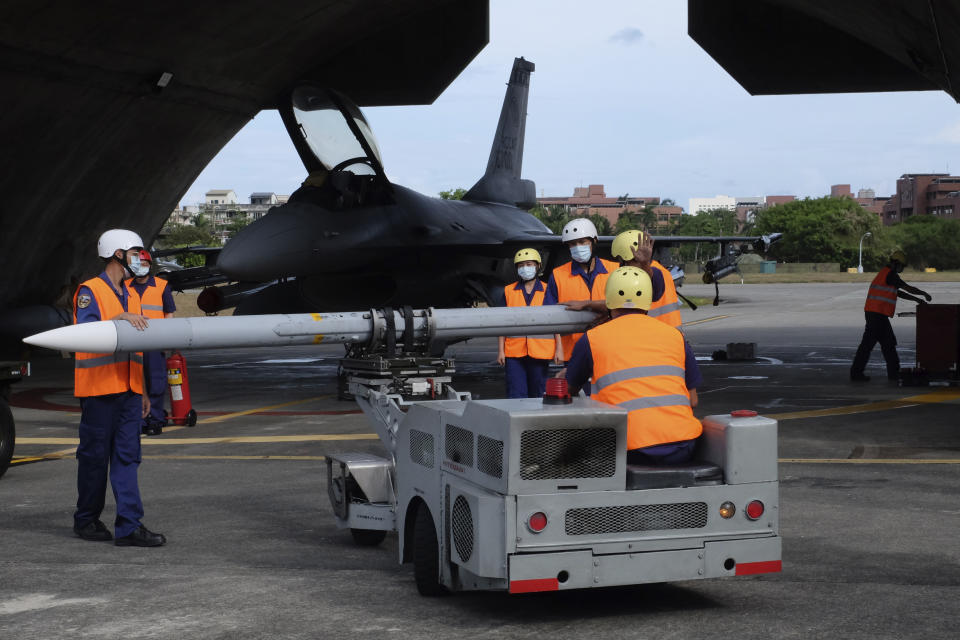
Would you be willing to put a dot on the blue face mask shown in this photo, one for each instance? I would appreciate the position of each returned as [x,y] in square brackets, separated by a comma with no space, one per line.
[581,252]
[136,267]
[527,273]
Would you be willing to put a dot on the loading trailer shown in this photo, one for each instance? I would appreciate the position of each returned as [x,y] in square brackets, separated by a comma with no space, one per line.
[524,495]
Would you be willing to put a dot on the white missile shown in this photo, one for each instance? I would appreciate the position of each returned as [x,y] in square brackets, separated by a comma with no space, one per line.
[371,328]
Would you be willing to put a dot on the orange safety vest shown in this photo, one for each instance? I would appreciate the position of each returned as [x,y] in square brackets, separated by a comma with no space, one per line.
[100,374]
[639,364]
[541,347]
[151,302]
[570,286]
[667,308]
[881,297]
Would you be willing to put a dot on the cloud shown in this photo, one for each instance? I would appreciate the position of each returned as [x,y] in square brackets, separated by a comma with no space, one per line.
[947,135]
[627,35]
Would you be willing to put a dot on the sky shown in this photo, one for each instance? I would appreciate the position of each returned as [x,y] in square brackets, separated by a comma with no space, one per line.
[623,97]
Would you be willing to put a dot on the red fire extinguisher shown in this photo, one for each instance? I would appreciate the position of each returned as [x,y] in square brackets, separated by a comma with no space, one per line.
[183,412]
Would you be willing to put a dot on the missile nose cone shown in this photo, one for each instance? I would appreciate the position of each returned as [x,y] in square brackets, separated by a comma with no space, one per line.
[89,337]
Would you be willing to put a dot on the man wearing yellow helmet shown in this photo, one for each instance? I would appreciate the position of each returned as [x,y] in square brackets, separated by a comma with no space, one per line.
[644,366]
[634,248]
[879,308]
[525,358]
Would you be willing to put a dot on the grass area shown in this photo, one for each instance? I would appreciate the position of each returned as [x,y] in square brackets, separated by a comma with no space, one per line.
[187,305]
[787,278]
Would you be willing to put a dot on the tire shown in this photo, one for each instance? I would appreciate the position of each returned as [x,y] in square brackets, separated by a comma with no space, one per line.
[426,555]
[7,436]
[367,537]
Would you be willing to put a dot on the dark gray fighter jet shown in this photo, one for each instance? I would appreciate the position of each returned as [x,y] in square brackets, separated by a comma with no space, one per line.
[350,239]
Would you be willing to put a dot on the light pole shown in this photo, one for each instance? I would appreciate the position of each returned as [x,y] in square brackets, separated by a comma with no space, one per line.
[860,265]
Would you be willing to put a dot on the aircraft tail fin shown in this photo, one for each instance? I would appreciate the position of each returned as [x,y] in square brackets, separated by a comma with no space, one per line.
[502,181]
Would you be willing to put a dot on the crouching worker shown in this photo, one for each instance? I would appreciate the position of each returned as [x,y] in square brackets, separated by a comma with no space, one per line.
[525,358]
[640,364]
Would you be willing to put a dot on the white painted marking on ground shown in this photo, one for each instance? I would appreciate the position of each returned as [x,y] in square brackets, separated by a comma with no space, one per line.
[770,360]
[746,377]
[776,402]
[289,361]
[41,601]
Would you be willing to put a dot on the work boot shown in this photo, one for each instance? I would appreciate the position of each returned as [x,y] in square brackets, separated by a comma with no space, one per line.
[141,537]
[859,377]
[94,531]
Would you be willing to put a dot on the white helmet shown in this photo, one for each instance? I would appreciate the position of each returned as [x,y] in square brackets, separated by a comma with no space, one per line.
[115,239]
[578,228]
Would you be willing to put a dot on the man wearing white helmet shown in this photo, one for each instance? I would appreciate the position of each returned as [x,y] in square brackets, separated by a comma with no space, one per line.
[581,279]
[110,387]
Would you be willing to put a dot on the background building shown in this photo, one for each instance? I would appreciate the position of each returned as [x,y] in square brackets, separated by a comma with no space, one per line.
[590,200]
[935,194]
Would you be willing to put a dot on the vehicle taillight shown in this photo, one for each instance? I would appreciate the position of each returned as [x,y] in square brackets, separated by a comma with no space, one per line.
[754,510]
[727,509]
[537,522]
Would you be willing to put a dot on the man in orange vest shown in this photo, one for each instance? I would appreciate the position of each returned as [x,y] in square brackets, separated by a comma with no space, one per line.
[582,279]
[879,308]
[525,358]
[156,302]
[630,248]
[642,365]
[110,388]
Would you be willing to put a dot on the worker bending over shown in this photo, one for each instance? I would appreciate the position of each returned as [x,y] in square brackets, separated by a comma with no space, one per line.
[640,364]
[156,302]
[525,358]
[879,308]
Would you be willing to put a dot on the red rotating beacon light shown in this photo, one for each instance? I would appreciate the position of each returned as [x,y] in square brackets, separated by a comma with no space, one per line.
[557,392]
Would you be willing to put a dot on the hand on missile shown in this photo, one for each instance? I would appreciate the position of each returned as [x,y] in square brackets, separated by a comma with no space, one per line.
[562,373]
[138,321]
[577,305]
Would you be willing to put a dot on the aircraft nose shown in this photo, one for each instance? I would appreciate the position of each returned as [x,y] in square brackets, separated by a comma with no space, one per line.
[276,245]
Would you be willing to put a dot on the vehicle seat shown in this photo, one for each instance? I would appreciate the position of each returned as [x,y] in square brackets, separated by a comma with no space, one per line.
[691,474]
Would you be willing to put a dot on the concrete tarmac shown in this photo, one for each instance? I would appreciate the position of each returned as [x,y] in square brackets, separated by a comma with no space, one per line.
[869,511]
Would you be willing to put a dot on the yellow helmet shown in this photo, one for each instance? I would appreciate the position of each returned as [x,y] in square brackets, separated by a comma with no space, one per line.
[527,254]
[898,256]
[625,243]
[629,288]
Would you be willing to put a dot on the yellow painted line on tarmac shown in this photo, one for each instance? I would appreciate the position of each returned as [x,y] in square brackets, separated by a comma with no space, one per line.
[220,440]
[237,414]
[701,321]
[53,455]
[934,397]
[867,461]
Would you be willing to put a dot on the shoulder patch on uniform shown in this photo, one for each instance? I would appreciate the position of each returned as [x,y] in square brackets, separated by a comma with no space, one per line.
[83,301]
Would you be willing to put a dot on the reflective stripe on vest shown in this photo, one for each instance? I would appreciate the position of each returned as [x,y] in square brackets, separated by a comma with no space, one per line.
[667,308]
[570,286]
[639,364]
[540,346]
[100,374]
[151,302]
[881,297]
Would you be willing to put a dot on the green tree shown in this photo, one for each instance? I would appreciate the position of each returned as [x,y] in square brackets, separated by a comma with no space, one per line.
[927,240]
[553,216]
[185,235]
[453,194]
[824,230]
[604,228]
[238,222]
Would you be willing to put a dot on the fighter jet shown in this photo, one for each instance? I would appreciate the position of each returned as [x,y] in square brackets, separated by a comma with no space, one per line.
[350,239]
